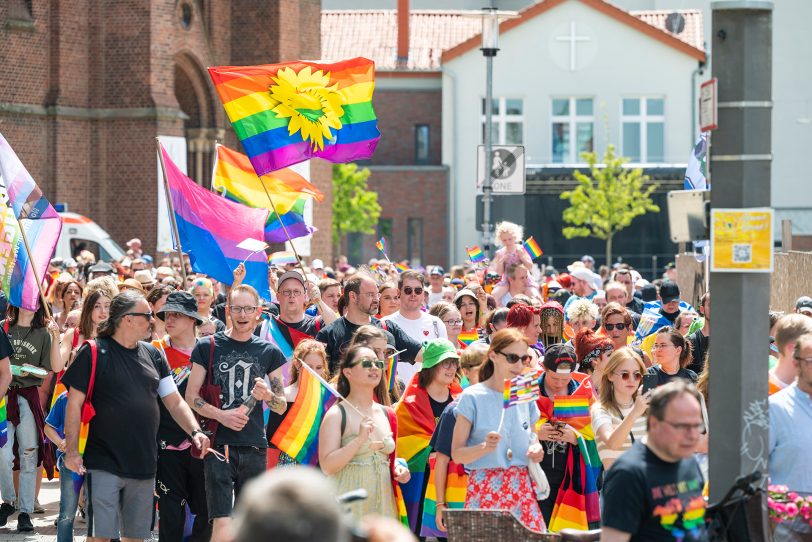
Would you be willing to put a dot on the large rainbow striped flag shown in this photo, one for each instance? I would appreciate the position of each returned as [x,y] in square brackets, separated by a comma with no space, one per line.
[290,112]
[23,205]
[235,178]
[456,486]
[298,434]
[211,227]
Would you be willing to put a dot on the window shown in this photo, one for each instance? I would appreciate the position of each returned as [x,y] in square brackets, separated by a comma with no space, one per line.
[643,130]
[573,127]
[421,144]
[508,121]
[414,244]
[385,230]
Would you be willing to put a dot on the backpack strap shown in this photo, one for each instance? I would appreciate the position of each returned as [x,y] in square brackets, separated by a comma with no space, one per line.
[75,338]
[319,323]
[94,356]
[393,425]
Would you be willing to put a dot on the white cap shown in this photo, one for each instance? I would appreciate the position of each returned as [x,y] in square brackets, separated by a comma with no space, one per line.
[592,279]
[317,264]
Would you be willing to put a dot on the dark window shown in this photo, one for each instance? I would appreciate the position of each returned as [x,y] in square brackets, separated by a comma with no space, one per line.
[355,248]
[421,143]
[414,243]
[385,230]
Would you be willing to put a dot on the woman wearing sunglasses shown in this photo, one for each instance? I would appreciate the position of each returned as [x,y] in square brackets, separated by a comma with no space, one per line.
[498,460]
[618,416]
[357,443]
[418,410]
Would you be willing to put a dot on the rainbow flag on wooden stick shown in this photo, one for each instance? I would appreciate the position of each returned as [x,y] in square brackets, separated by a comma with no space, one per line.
[290,112]
[298,434]
[532,248]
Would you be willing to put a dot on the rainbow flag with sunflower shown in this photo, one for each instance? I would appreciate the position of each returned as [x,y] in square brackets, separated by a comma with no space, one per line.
[287,113]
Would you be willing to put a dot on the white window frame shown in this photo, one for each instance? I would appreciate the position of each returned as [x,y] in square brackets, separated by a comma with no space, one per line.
[643,119]
[572,120]
[501,119]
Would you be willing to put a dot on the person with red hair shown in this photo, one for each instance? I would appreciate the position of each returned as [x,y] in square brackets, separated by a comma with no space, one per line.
[591,352]
[527,319]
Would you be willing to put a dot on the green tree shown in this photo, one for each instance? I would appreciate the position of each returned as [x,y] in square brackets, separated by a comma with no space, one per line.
[355,207]
[606,201]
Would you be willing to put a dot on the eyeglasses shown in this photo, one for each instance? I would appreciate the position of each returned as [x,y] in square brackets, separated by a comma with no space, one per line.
[408,290]
[367,363]
[660,346]
[610,327]
[687,427]
[147,315]
[453,322]
[513,358]
[626,375]
[449,363]
[242,310]
[291,293]
[805,360]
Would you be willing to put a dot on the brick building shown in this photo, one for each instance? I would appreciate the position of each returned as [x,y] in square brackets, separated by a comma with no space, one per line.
[86,86]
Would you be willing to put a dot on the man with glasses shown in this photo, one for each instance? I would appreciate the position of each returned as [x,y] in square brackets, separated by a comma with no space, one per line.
[361,296]
[239,362]
[122,446]
[417,324]
[791,437]
[653,492]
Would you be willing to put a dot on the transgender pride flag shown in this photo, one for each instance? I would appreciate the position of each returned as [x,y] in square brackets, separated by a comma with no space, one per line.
[210,228]
[22,205]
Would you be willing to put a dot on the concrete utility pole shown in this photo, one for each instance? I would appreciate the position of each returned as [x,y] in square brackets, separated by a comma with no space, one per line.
[741,159]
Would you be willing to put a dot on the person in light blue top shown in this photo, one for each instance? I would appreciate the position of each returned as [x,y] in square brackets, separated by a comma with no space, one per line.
[497,450]
[68,496]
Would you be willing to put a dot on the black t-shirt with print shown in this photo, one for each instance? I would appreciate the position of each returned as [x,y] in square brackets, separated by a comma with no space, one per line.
[123,434]
[235,365]
[437,407]
[664,378]
[654,500]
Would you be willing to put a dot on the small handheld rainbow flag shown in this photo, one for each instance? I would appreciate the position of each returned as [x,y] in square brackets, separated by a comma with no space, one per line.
[282,258]
[400,267]
[381,244]
[392,369]
[522,389]
[533,248]
[475,254]
[571,406]
[3,423]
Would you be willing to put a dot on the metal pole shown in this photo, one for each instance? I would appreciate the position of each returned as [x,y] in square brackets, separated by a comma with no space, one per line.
[488,184]
[739,414]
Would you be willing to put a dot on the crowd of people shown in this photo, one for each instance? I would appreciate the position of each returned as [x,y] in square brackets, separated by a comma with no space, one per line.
[142,381]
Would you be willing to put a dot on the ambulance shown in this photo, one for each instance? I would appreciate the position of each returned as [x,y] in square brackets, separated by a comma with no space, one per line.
[80,233]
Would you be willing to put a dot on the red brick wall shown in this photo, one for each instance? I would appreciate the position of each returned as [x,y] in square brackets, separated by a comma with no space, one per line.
[398,112]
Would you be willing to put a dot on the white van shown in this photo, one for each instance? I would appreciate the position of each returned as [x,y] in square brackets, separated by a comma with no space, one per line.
[80,233]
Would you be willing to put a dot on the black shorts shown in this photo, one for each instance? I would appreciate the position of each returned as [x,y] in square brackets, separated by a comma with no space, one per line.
[225,480]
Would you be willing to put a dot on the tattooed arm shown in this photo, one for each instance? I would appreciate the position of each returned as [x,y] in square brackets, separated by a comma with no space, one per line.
[234,418]
[276,398]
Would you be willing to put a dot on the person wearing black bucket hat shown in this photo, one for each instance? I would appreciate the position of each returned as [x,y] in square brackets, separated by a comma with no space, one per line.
[179,479]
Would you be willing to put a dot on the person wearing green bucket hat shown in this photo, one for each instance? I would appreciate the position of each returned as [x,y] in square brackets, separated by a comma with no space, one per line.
[419,409]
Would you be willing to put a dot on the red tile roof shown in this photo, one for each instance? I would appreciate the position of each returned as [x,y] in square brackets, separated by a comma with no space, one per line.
[373,33]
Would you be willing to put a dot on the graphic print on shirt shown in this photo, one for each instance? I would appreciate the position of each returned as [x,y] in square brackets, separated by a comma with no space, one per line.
[680,508]
[237,371]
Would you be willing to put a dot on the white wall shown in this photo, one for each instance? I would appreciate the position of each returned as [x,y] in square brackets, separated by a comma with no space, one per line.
[618,62]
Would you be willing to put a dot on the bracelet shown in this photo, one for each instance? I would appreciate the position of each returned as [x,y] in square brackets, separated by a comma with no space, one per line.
[195,431]
[441,503]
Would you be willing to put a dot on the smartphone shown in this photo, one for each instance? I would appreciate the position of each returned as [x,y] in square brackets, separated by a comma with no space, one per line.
[649,382]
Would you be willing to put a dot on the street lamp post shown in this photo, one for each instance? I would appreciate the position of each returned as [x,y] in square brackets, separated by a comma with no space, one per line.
[490,45]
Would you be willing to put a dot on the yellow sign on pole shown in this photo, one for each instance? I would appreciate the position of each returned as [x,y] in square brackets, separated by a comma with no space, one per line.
[742,240]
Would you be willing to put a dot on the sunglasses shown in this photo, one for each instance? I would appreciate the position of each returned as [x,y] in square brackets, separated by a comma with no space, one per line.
[147,315]
[610,327]
[408,290]
[513,358]
[626,375]
[367,363]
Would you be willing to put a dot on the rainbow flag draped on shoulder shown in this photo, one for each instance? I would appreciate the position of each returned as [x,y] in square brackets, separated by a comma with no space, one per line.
[22,205]
[235,178]
[290,112]
[576,505]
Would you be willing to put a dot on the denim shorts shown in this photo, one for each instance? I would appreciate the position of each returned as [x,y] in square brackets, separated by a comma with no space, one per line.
[225,480]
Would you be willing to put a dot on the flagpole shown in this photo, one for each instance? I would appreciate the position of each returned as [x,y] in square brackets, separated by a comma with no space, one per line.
[284,229]
[172,213]
[34,269]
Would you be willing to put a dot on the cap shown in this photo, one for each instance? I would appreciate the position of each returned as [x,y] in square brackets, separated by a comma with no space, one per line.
[70,263]
[317,264]
[101,267]
[147,258]
[436,270]
[464,292]
[582,273]
[565,280]
[57,262]
[670,265]
[804,305]
[131,283]
[134,241]
[437,350]
[559,358]
[669,291]
[291,275]
[181,302]
[144,277]
[587,258]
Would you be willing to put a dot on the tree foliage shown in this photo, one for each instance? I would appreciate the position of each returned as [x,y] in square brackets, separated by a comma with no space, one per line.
[606,201]
[355,207]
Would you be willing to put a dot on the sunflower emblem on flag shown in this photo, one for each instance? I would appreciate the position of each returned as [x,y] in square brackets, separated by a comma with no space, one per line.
[308,100]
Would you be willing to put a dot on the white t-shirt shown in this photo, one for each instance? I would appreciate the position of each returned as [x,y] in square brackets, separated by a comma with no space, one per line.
[422,329]
[434,298]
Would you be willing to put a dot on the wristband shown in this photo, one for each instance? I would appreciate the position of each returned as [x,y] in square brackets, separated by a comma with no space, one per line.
[195,431]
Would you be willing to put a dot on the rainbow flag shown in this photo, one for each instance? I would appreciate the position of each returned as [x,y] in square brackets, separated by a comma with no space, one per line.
[392,371]
[84,431]
[23,205]
[3,422]
[456,486]
[403,517]
[211,227]
[532,248]
[381,245]
[465,338]
[235,178]
[400,267]
[475,254]
[298,434]
[569,407]
[282,258]
[290,112]
[522,389]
